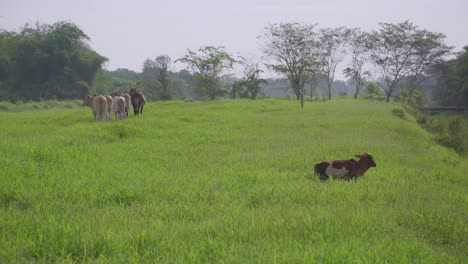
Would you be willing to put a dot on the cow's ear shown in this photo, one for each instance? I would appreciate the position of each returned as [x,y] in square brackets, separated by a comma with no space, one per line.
[359,156]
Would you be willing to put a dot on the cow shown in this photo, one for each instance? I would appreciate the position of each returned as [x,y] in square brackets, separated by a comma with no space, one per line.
[345,169]
[99,106]
[138,101]
[109,106]
[127,101]
[118,107]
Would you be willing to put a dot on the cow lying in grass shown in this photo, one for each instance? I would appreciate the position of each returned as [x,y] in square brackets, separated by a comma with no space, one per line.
[344,169]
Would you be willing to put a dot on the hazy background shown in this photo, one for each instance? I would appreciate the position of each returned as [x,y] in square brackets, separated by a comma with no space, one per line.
[128,32]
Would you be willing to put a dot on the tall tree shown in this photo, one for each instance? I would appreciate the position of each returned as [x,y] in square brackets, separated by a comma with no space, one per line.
[209,65]
[359,48]
[333,47]
[294,50]
[392,51]
[48,61]
[314,79]
[251,79]
[452,81]
[429,49]
[163,63]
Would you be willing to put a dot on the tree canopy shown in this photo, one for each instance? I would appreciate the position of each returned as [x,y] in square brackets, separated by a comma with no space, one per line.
[47,61]
[209,65]
[293,47]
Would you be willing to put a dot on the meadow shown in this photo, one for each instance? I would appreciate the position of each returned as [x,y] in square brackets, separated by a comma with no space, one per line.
[228,182]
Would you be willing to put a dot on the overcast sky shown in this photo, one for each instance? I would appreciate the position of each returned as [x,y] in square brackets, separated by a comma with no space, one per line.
[128,32]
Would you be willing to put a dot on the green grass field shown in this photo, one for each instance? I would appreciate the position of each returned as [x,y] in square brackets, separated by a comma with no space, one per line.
[228,182]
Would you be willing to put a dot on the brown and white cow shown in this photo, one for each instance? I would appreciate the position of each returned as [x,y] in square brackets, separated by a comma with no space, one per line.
[344,169]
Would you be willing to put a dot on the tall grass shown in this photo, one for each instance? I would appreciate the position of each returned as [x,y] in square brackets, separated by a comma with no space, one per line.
[227,181]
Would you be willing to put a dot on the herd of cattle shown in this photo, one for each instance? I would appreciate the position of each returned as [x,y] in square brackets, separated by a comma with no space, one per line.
[119,103]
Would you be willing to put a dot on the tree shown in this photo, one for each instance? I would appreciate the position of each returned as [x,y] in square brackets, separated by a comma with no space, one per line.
[209,64]
[47,61]
[392,52]
[359,48]
[163,63]
[429,49]
[294,50]
[157,79]
[372,91]
[452,81]
[313,80]
[333,47]
[184,85]
[461,69]
[251,80]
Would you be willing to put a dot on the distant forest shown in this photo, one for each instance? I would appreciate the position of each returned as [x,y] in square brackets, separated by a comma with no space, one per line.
[42,62]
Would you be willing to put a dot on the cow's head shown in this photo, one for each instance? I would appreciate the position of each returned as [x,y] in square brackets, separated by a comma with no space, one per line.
[367,158]
[88,100]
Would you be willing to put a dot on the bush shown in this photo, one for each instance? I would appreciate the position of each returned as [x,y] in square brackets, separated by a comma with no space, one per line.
[5,106]
[455,126]
[452,141]
[436,127]
[399,113]
[423,119]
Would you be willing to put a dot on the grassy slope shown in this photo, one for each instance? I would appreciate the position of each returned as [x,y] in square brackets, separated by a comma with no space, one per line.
[228,181]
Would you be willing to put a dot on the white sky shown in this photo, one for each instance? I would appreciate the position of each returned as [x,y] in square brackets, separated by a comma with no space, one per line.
[128,32]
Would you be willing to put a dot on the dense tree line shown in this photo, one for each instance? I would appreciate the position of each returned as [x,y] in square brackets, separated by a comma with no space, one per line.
[54,61]
[47,61]
[452,81]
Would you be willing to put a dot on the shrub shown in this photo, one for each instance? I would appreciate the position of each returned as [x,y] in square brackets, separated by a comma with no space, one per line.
[452,141]
[5,106]
[423,119]
[455,126]
[398,113]
[436,127]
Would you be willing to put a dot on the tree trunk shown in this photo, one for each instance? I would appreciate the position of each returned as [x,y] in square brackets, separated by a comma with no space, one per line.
[329,92]
[410,95]
[388,97]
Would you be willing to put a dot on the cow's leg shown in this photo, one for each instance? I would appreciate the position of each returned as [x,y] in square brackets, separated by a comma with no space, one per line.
[323,176]
[135,110]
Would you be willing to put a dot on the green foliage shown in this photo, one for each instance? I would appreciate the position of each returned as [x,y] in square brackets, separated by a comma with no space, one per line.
[250,85]
[372,91]
[415,97]
[107,82]
[156,78]
[403,50]
[20,106]
[452,81]
[47,61]
[457,134]
[209,64]
[449,131]
[294,50]
[398,112]
[227,182]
